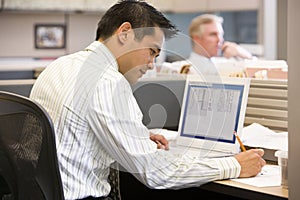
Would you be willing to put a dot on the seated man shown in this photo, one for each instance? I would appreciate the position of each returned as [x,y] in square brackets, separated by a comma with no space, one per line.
[206,35]
[98,122]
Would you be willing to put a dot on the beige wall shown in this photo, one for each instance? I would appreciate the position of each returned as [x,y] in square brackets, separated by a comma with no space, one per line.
[17,33]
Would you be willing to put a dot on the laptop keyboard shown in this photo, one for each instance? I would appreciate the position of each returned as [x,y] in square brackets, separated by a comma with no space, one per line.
[203,153]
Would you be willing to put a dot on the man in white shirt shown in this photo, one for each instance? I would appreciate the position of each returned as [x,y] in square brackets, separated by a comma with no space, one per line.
[98,121]
[206,33]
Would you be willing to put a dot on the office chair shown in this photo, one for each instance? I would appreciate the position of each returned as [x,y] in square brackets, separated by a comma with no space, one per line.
[28,159]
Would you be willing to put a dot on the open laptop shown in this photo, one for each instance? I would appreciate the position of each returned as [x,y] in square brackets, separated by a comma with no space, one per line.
[212,110]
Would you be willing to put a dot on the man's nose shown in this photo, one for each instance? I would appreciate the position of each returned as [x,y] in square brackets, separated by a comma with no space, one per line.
[151,65]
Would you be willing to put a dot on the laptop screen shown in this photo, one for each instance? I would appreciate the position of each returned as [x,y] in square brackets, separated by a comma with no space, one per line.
[212,111]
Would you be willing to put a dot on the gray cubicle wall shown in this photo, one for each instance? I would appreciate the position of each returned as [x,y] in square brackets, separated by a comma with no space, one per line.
[160,100]
[16,74]
[20,86]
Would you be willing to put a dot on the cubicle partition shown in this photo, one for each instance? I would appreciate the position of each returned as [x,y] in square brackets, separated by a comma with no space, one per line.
[18,86]
[268,104]
[160,100]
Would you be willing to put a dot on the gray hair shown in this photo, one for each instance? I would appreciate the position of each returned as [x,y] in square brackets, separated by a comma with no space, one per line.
[196,26]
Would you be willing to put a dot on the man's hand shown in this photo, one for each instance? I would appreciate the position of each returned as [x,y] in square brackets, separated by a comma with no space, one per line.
[231,49]
[160,140]
[251,162]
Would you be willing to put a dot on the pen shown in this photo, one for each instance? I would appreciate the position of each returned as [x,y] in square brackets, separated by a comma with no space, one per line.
[239,140]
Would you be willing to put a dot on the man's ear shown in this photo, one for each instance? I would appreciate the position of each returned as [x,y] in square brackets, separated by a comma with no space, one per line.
[195,37]
[124,32]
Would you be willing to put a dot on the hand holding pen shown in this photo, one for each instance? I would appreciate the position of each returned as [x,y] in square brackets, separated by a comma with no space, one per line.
[251,161]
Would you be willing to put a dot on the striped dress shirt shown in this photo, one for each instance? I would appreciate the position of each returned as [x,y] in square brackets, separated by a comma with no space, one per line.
[98,121]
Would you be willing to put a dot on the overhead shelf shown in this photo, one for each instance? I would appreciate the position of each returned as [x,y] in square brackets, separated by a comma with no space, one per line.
[103,5]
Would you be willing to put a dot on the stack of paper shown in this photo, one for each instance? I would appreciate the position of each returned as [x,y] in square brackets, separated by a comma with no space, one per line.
[256,135]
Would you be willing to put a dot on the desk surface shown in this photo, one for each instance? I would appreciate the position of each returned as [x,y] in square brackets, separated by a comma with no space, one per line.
[131,188]
[245,191]
[242,190]
[23,64]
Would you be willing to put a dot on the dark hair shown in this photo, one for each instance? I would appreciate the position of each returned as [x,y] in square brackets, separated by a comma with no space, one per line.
[139,14]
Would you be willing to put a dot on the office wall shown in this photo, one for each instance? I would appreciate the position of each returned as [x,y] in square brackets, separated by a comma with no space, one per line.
[17,36]
[17,32]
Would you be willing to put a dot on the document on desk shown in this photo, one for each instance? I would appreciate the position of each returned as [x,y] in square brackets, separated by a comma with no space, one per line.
[256,135]
[269,177]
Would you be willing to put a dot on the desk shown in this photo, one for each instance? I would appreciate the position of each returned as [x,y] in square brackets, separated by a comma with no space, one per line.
[131,188]
[245,191]
[22,68]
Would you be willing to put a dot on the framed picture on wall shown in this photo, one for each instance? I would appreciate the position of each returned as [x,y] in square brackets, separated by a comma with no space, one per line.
[50,36]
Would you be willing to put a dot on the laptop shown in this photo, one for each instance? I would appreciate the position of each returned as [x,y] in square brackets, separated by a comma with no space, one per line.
[213,108]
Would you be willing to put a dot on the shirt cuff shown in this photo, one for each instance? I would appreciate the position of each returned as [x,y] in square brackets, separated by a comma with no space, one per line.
[229,167]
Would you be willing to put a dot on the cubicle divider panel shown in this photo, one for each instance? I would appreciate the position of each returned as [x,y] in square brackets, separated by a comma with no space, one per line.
[268,104]
[18,86]
[160,100]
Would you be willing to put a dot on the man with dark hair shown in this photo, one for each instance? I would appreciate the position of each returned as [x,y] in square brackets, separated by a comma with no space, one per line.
[98,121]
[139,15]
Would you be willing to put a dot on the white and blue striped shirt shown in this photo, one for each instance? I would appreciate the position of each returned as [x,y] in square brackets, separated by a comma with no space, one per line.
[98,121]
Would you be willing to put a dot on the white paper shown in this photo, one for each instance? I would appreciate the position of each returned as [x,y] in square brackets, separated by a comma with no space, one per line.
[256,135]
[270,176]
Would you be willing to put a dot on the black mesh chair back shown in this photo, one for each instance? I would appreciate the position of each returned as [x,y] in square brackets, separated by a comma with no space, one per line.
[28,157]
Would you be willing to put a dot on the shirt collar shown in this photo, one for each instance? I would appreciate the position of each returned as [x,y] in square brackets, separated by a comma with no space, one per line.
[100,49]
[194,56]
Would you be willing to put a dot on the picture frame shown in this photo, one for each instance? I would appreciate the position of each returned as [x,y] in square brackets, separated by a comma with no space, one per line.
[50,36]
